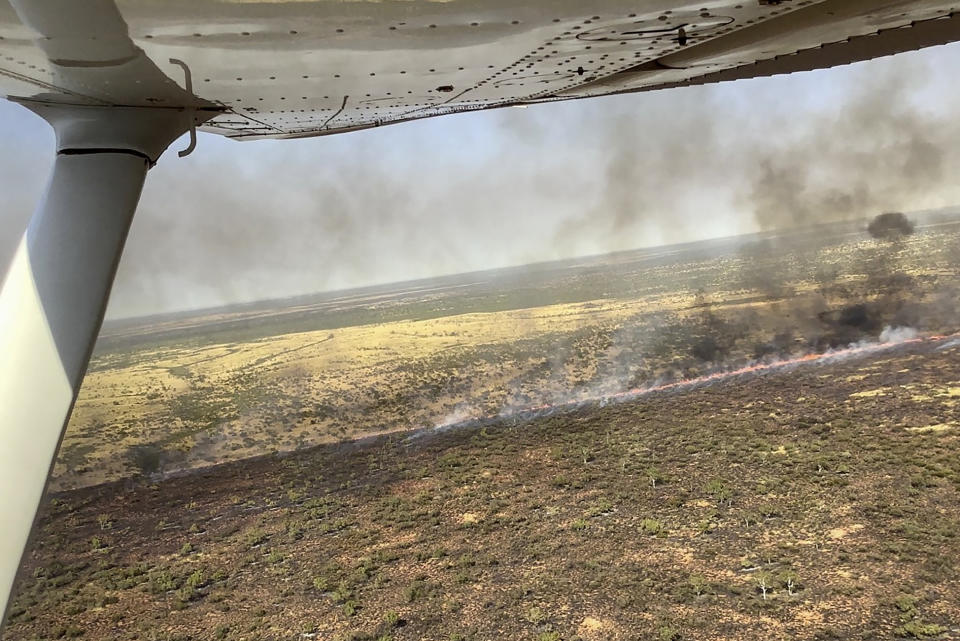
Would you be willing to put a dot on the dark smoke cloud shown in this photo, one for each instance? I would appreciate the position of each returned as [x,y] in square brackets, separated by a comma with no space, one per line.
[883,141]
[877,148]
[890,226]
[244,221]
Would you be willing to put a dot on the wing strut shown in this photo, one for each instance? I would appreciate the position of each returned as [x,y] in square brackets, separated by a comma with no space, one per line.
[114,114]
[54,296]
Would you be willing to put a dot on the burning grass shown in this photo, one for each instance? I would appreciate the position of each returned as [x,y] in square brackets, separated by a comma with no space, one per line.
[894,341]
[598,332]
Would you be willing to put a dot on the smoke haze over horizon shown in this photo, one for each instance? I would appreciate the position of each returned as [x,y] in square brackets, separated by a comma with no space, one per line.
[238,222]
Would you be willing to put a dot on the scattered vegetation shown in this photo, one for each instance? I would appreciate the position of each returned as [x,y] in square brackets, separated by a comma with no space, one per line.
[159,399]
[488,543]
[820,503]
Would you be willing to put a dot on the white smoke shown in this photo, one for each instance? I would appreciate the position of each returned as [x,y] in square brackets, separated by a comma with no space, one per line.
[954,342]
[897,334]
[889,339]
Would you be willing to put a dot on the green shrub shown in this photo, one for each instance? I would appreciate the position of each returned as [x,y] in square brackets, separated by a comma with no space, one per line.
[920,630]
[764,582]
[655,476]
[195,580]
[651,527]
[535,616]
[699,585]
[667,633]
[343,593]
[275,556]
[719,490]
[790,581]
[416,591]
[392,618]
[255,537]
[187,593]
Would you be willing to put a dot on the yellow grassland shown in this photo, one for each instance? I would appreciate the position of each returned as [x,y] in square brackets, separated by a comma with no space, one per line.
[133,404]
[220,402]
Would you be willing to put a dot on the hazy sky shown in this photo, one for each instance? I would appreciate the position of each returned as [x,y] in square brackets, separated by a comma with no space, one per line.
[244,221]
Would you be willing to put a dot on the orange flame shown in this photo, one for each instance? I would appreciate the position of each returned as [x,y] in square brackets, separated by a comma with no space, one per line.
[707,379]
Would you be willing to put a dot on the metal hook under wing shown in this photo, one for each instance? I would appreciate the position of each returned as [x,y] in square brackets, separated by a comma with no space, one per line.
[188,85]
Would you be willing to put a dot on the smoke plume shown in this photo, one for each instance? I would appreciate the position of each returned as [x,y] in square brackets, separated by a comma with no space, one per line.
[890,226]
[246,221]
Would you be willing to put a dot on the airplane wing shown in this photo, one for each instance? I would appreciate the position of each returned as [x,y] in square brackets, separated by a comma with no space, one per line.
[309,68]
[120,80]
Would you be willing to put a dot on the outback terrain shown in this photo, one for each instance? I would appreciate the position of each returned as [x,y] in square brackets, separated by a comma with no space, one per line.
[752,438]
[817,503]
[185,392]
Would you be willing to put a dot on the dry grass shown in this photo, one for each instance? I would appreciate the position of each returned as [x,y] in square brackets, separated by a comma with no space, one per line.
[818,503]
[177,406]
[783,506]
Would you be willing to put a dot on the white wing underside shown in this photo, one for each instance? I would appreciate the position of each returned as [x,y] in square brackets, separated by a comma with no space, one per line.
[317,67]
